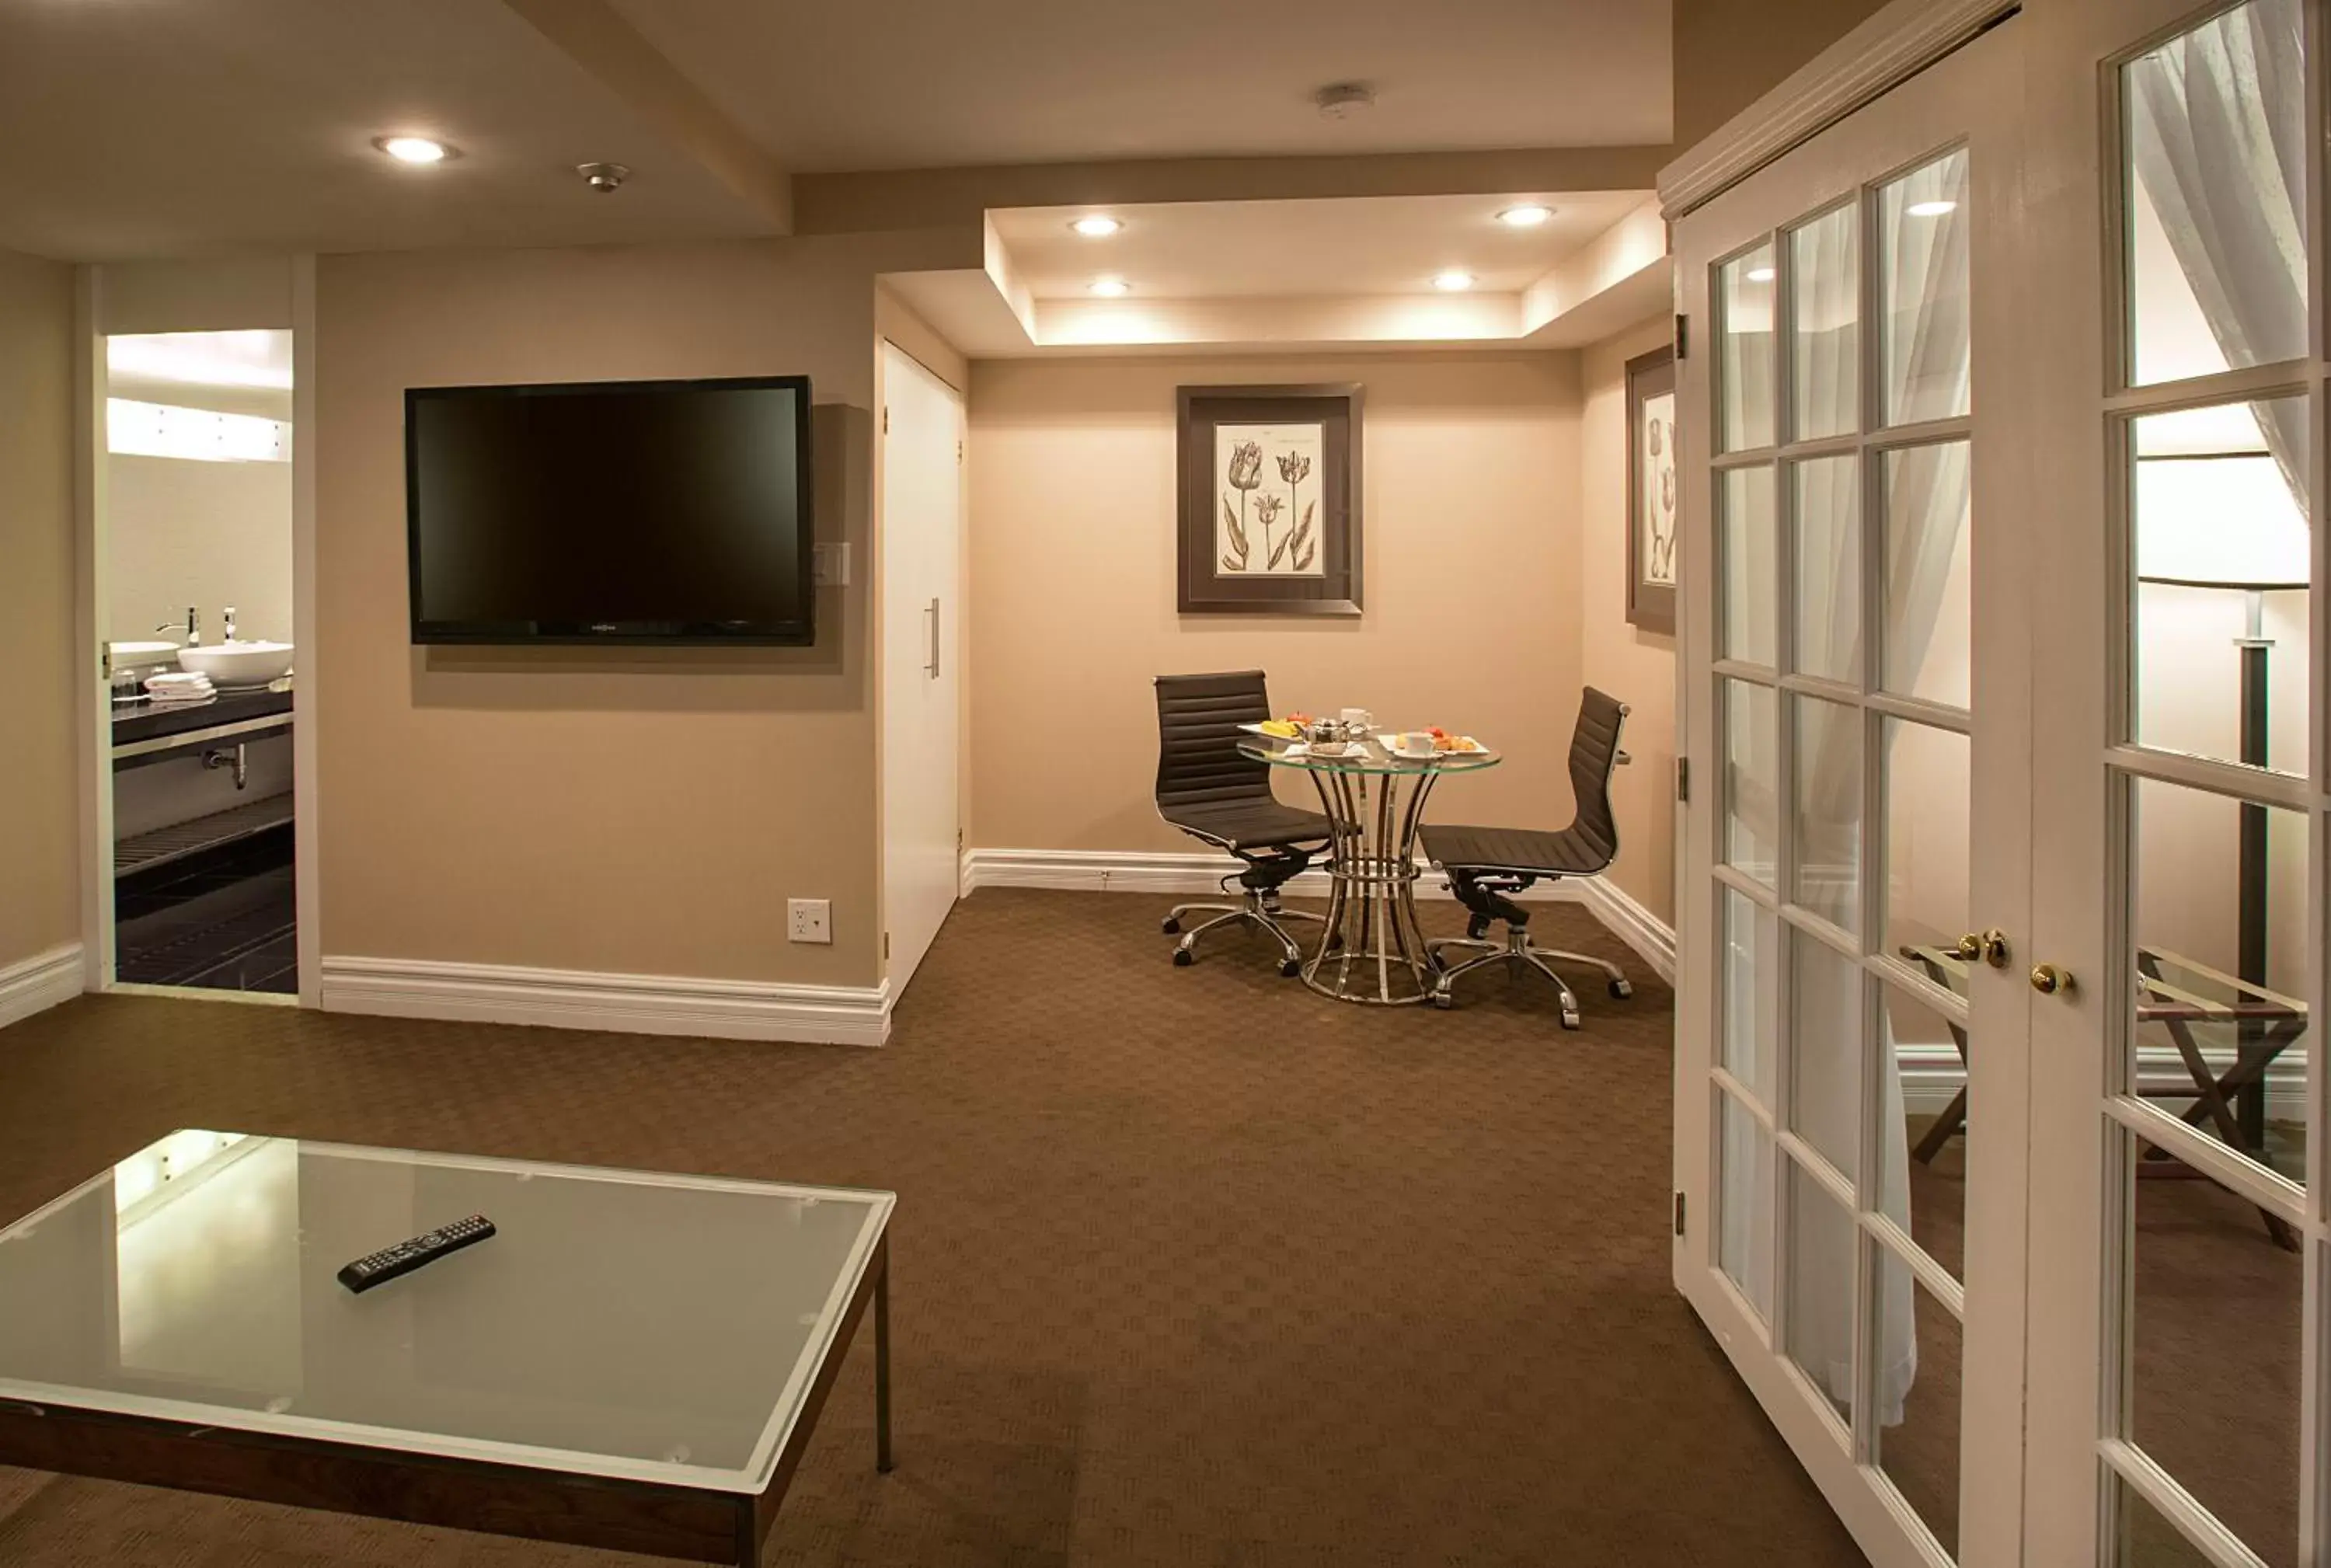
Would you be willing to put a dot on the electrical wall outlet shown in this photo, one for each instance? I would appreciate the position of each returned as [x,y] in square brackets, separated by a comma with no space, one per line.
[809,920]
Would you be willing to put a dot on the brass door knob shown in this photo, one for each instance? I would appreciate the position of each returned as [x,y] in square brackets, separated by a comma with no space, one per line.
[2048,980]
[1991,946]
[1967,948]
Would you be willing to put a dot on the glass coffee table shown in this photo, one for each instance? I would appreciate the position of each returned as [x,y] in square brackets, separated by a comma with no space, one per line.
[633,1361]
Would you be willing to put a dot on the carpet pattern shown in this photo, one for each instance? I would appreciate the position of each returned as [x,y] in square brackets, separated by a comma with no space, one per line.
[1192,1266]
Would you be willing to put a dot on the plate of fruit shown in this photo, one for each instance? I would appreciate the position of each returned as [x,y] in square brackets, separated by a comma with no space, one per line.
[1456,745]
[1280,730]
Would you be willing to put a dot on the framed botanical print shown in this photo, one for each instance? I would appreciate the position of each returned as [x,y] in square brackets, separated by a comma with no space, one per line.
[1269,486]
[1651,484]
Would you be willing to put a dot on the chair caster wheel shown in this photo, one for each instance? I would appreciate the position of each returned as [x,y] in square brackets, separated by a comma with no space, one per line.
[1170,926]
[1291,968]
[1569,1019]
[1621,990]
[1183,959]
[1443,1001]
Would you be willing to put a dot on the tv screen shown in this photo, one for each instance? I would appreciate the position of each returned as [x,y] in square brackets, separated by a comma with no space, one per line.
[639,511]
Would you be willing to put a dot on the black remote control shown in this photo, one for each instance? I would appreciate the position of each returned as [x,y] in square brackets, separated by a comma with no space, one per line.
[386,1264]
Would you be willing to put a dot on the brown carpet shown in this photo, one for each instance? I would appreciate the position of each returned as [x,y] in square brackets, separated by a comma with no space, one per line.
[1192,1267]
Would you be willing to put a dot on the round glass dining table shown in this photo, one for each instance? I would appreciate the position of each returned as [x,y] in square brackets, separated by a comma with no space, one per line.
[1372,950]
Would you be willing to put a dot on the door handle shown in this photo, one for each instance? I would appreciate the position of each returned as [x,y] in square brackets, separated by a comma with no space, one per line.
[2048,980]
[931,668]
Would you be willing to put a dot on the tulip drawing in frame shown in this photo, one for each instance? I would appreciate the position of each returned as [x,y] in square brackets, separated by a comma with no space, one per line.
[1267,529]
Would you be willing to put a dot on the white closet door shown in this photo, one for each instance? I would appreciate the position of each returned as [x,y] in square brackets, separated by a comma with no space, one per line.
[919,543]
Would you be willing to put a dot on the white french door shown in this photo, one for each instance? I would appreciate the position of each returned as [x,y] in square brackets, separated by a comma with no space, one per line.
[1854,677]
[2177,1289]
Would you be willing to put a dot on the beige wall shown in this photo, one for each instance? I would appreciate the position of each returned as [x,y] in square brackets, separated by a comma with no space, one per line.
[1472,508]
[642,812]
[1728,54]
[39,884]
[208,535]
[1635,666]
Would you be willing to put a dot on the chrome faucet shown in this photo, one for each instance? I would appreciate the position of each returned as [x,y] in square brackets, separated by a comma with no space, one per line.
[229,623]
[194,627]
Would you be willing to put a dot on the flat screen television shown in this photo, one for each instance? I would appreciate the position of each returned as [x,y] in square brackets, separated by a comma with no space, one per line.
[633,511]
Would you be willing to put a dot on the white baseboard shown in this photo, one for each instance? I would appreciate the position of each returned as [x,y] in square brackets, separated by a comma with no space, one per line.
[632,1003]
[1198,872]
[35,985]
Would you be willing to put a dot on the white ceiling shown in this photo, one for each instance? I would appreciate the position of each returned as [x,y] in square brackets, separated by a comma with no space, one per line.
[240,372]
[160,127]
[925,83]
[1371,245]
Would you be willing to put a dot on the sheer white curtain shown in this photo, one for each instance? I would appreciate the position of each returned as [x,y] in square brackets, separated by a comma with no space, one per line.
[1926,364]
[2217,127]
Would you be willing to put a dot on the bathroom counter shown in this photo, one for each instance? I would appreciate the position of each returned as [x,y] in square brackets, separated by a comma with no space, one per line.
[151,721]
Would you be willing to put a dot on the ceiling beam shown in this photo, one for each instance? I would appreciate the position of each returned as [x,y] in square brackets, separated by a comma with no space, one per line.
[914,198]
[596,37]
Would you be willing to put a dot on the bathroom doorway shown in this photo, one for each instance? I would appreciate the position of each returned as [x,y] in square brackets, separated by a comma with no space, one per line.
[194,600]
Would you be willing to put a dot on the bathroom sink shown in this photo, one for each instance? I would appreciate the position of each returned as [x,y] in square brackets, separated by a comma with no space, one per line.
[140,655]
[238,663]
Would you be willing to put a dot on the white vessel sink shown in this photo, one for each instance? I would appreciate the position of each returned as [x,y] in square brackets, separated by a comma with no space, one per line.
[238,663]
[138,655]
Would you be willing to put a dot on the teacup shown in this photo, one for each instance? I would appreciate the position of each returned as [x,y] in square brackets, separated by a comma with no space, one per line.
[1357,721]
[1414,746]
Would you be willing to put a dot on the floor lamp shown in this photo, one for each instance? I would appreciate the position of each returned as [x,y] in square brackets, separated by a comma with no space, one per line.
[2225,520]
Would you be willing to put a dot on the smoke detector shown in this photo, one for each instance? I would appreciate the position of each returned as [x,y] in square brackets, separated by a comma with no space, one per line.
[604,178]
[1343,99]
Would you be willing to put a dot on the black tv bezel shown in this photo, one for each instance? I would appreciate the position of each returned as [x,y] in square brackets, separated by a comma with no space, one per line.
[789,633]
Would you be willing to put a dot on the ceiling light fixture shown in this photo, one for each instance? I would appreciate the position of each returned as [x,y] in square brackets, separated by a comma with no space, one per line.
[415,149]
[1343,99]
[1760,274]
[1453,281]
[1528,215]
[1108,288]
[1098,226]
[1935,209]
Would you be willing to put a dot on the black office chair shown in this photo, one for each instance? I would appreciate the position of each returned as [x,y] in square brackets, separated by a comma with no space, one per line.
[1487,866]
[1209,791]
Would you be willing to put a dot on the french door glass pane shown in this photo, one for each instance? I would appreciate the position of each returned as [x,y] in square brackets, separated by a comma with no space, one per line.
[1923,224]
[1826,877]
[1918,1408]
[1828,508]
[1928,843]
[2219,914]
[1825,1050]
[2222,563]
[1752,963]
[1925,1128]
[1821,1291]
[2216,184]
[1751,573]
[1744,351]
[1928,631]
[2213,1353]
[1752,779]
[2149,1541]
[1825,354]
[1744,1202]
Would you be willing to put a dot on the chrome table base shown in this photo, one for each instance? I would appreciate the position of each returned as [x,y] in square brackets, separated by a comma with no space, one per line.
[1374,950]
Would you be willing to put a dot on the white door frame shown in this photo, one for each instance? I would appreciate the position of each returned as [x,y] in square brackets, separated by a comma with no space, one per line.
[193,297]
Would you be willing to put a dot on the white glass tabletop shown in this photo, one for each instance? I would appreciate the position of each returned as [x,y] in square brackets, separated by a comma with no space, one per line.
[626,1324]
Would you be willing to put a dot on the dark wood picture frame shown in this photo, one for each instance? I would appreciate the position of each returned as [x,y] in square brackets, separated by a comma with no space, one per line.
[1651,605]
[1203,588]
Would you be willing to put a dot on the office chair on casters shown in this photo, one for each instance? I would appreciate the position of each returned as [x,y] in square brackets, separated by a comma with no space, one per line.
[1487,866]
[1209,791]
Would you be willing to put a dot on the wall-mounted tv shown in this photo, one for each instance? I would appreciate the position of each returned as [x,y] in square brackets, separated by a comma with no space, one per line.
[634,511]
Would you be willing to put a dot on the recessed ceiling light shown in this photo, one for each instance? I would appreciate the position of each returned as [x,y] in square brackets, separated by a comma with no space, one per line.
[1099,226]
[1528,215]
[1760,274]
[1108,288]
[415,149]
[1453,281]
[1930,209]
